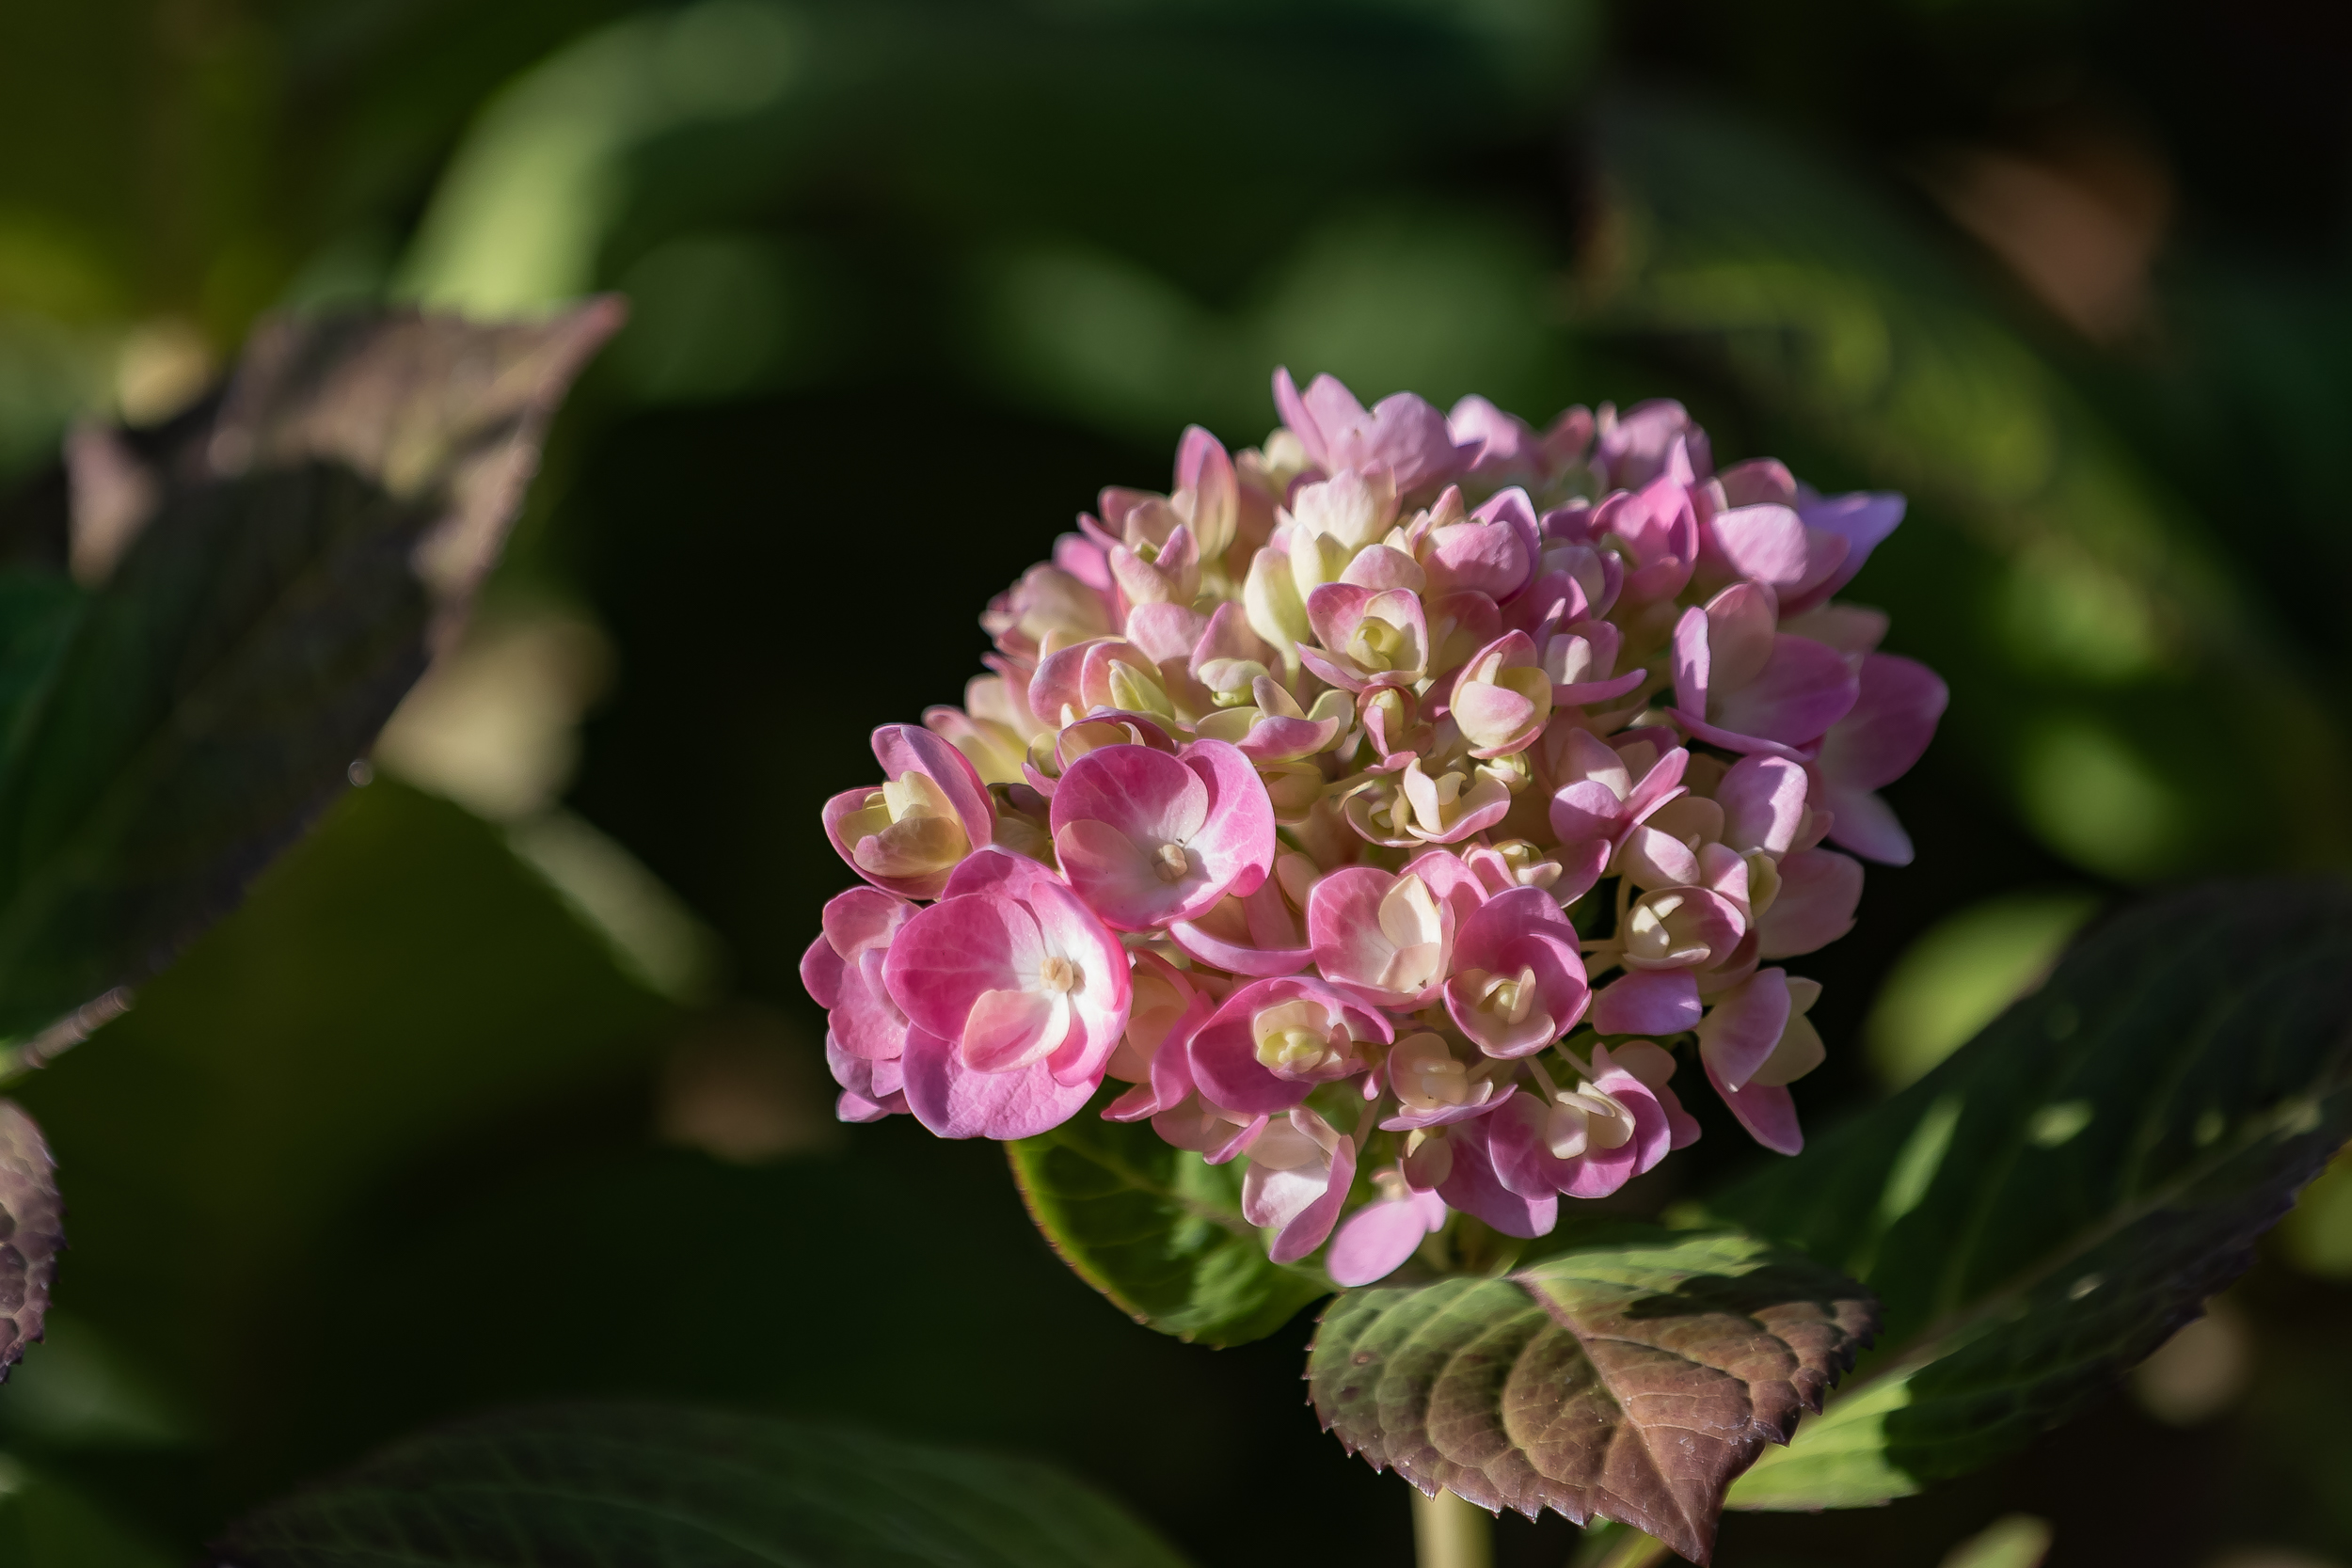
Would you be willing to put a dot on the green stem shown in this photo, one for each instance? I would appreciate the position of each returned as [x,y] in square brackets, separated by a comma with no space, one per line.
[1451,1533]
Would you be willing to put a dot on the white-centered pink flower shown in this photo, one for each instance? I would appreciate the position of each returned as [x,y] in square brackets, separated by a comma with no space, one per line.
[930,812]
[1414,790]
[1148,839]
[1015,973]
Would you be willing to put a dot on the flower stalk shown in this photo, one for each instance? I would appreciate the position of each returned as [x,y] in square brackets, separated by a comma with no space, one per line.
[1451,1533]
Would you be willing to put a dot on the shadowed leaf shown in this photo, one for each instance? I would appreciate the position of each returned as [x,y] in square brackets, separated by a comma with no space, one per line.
[32,1230]
[1157,1230]
[1628,1378]
[2046,1208]
[646,1487]
[303,554]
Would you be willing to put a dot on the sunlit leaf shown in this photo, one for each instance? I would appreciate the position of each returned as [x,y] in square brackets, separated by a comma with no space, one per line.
[1158,1230]
[1629,1377]
[2047,1207]
[307,551]
[623,1486]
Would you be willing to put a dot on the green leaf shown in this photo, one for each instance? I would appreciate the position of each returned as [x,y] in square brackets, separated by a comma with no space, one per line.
[628,1486]
[2046,1208]
[1627,1376]
[1157,1230]
[306,553]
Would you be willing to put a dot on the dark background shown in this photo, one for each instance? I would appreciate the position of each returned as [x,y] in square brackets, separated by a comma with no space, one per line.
[912,282]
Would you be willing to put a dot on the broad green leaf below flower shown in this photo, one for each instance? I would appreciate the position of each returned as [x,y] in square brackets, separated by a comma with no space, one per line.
[1158,1230]
[628,1485]
[1629,1374]
[2046,1208]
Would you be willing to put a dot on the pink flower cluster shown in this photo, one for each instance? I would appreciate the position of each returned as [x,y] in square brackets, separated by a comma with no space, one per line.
[1391,808]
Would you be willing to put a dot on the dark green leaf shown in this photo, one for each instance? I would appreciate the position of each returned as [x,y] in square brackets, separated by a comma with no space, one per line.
[1629,1377]
[646,1487]
[2051,1204]
[305,555]
[1157,1230]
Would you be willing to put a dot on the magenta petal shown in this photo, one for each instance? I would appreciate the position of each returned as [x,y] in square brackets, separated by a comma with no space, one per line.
[1764,804]
[1010,1029]
[1647,1002]
[1745,1023]
[1691,661]
[1653,1130]
[1225,1065]
[1764,541]
[1863,519]
[1100,1004]
[955,1101]
[1235,843]
[1306,1232]
[1818,891]
[1407,1120]
[1803,689]
[946,956]
[1258,964]
[1767,1111]
[1893,719]
[994,870]
[1864,823]
[1379,1237]
[1292,408]
[1146,794]
[1525,1166]
[820,973]
[1473,1187]
[867,1022]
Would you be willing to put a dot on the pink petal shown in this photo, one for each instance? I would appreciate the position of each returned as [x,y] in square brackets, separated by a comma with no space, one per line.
[1146,794]
[1738,1033]
[1865,824]
[1473,1187]
[1647,1002]
[1769,1112]
[1306,1231]
[997,870]
[1818,891]
[903,748]
[1007,1030]
[954,1101]
[1293,409]
[867,1022]
[1863,519]
[1692,662]
[1116,877]
[1802,691]
[1893,719]
[1235,840]
[946,956]
[820,973]
[1106,991]
[1379,1237]
[1407,1119]
[1765,543]
[1764,804]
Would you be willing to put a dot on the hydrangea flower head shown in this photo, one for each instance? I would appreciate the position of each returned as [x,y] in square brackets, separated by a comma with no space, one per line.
[1398,808]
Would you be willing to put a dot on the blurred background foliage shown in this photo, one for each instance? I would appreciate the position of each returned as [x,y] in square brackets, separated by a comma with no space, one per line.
[501,1085]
